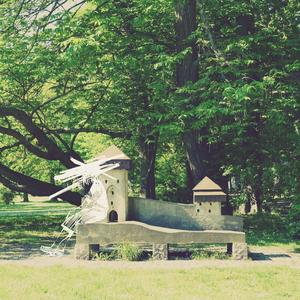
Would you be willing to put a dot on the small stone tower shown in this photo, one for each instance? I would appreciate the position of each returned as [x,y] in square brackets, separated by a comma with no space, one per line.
[117,190]
[208,196]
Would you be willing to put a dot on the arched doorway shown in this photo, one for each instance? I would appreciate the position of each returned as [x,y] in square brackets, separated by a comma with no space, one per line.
[113,216]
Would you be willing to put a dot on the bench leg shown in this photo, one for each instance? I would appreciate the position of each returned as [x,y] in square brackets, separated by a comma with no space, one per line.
[239,251]
[82,251]
[160,251]
[229,248]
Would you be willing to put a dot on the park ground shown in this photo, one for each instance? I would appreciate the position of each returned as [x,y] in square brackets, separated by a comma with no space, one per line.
[273,272]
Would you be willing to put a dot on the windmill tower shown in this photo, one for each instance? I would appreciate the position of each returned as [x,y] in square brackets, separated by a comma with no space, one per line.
[117,188]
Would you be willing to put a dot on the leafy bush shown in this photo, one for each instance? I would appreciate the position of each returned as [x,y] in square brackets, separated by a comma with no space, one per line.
[207,254]
[7,195]
[266,228]
[106,256]
[129,252]
[294,221]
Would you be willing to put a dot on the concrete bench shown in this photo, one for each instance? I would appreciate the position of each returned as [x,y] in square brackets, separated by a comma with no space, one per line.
[159,237]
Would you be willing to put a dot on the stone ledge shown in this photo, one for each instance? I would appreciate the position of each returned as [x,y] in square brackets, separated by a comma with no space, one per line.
[137,232]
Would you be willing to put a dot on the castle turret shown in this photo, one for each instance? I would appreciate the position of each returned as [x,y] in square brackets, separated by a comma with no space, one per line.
[117,185]
[208,196]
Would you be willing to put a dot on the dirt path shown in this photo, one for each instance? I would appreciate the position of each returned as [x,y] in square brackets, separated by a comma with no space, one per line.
[265,257]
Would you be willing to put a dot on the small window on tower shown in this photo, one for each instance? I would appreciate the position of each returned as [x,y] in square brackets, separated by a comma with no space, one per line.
[200,203]
[112,192]
[118,180]
[106,181]
[209,211]
[198,210]
[210,203]
[111,203]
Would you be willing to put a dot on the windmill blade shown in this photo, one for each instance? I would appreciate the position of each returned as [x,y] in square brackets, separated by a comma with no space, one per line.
[76,162]
[68,188]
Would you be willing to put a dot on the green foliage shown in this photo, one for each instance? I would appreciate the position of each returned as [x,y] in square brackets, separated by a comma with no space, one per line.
[208,254]
[106,256]
[6,195]
[267,229]
[131,252]
[171,175]
[111,67]
[294,221]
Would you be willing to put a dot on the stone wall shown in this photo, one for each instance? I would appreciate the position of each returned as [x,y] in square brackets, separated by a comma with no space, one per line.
[179,216]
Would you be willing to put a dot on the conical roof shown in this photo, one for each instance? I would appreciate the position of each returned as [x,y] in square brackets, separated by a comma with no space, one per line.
[111,152]
[207,184]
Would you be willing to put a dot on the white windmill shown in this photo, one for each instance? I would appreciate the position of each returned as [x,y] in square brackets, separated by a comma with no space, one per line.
[94,206]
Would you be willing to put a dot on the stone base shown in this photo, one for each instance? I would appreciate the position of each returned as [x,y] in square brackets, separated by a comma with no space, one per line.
[239,251]
[82,251]
[160,251]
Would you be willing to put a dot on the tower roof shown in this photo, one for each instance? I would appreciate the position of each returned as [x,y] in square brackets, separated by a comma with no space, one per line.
[206,184]
[112,151]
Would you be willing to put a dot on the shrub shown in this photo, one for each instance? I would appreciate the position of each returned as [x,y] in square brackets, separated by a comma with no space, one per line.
[106,256]
[266,228]
[7,195]
[129,252]
[207,254]
[294,221]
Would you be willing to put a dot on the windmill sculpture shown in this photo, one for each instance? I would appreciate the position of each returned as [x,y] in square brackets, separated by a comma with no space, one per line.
[94,205]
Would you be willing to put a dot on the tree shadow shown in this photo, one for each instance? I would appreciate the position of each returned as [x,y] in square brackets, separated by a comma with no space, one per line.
[259,256]
[27,250]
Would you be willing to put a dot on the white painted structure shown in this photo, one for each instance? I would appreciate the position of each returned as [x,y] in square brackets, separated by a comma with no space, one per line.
[116,185]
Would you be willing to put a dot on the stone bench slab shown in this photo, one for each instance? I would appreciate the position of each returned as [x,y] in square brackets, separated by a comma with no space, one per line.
[138,232]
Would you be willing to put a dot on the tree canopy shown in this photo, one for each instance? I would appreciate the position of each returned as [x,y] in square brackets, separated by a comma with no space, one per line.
[188,88]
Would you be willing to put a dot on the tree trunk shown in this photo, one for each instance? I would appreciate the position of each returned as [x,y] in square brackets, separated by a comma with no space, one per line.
[197,156]
[148,149]
[187,71]
[25,197]
[258,188]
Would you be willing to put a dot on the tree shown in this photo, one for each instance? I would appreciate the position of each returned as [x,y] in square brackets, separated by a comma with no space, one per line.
[219,83]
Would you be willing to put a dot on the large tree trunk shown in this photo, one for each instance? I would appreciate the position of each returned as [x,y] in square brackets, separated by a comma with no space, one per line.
[25,197]
[147,149]
[258,189]
[187,71]
[197,157]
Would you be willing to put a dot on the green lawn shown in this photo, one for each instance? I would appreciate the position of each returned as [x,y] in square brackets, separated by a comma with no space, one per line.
[23,233]
[61,282]
[36,207]
[38,222]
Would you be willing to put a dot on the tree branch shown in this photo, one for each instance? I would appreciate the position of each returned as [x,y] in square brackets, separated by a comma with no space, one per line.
[23,140]
[26,184]
[8,147]
[38,133]
[113,134]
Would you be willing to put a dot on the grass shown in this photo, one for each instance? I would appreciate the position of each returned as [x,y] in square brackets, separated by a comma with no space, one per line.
[57,282]
[269,230]
[38,222]
[61,282]
[23,233]
[36,207]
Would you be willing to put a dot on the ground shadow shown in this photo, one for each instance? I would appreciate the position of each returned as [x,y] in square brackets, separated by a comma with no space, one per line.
[22,251]
[268,256]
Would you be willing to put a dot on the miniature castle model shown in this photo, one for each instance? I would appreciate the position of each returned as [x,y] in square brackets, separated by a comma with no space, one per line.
[208,196]
[116,186]
[156,222]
